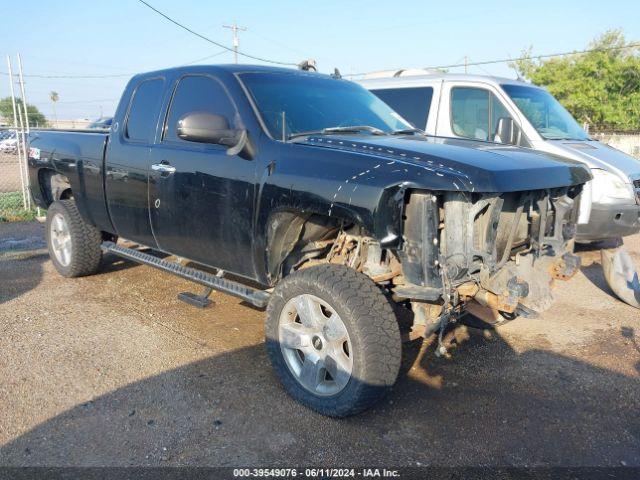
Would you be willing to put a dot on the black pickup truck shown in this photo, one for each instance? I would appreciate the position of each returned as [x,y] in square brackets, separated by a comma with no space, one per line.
[307,195]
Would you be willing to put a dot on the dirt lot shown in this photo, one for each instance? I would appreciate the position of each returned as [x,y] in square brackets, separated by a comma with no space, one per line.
[114,370]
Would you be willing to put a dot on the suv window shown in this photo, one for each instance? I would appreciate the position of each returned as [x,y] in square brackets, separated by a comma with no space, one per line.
[412,103]
[198,93]
[143,110]
[475,113]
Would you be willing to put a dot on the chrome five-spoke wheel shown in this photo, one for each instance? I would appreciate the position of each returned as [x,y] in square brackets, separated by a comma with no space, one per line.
[333,339]
[315,345]
[74,245]
[60,239]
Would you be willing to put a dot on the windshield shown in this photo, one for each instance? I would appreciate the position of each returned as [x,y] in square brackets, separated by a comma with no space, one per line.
[310,103]
[545,113]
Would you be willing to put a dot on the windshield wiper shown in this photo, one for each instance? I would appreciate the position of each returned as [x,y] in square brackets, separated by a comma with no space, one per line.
[408,131]
[337,130]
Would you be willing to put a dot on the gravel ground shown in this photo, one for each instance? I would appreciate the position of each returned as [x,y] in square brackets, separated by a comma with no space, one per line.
[113,370]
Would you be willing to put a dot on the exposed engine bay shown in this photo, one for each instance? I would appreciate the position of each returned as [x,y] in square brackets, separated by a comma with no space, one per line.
[502,251]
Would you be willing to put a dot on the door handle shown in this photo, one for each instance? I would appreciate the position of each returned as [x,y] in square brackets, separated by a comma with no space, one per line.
[163,168]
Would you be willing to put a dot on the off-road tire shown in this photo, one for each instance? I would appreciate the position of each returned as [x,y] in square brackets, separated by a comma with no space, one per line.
[372,328]
[85,241]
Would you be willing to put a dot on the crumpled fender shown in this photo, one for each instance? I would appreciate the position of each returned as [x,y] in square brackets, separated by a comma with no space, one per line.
[351,186]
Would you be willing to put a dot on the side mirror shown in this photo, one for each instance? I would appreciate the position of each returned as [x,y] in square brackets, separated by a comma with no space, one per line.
[206,128]
[507,132]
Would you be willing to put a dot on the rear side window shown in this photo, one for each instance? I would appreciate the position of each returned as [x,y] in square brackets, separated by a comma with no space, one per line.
[198,93]
[412,103]
[143,110]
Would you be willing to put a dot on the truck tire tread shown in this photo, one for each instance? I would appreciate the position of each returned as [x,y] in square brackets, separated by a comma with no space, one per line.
[85,241]
[372,326]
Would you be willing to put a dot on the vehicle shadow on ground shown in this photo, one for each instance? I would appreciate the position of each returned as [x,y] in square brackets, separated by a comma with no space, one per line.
[24,271]
[488,405]
[20,272]
[592,266]
[112,263]
[21,258]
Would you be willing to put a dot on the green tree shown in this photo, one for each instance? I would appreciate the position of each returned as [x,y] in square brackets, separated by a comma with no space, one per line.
[36,118]
[601,87]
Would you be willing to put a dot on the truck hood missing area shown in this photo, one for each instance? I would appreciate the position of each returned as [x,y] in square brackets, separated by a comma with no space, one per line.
[470,165]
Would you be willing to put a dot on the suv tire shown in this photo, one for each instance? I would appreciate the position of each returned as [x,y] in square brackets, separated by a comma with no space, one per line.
[74,245]
[330,321]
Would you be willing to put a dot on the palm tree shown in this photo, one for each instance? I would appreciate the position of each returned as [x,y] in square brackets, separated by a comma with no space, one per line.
[54,98]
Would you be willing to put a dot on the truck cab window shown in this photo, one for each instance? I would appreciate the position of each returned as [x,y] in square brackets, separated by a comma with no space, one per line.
[143,110]
[475,113]
[198,93]
[412,103]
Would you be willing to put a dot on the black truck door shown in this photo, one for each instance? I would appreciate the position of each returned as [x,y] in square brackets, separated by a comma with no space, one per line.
[201,198]
[127,161]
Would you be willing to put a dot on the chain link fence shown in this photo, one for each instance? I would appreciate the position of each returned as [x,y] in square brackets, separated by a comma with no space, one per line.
[15,202]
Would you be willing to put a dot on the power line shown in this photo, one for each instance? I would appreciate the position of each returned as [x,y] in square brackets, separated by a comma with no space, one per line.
[225,49]
[184,27]
[39,75]
[538,57]
[82,102]
[119,75]
[205,58]
[527,57]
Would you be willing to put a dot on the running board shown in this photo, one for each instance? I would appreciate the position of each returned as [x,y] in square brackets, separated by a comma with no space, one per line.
[258,298]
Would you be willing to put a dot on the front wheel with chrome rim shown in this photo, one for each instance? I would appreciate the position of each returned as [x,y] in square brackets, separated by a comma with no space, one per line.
[74,245]
[333,339]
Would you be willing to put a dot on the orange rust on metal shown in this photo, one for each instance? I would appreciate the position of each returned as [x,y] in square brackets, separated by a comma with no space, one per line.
[557,268]
[493,301]
[485,314]
[468,289]
[432,311]
[386,276]
[417,331]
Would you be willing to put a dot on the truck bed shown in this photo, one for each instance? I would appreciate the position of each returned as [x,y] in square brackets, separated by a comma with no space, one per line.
[79,155]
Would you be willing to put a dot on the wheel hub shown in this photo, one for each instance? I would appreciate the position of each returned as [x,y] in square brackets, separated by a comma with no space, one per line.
[315,345]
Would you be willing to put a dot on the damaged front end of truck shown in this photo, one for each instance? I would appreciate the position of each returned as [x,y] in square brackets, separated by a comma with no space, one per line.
[495,255]
[487,239]
[502,252]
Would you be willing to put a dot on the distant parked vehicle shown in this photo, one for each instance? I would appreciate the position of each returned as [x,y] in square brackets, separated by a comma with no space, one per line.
[8,141]
[103,123]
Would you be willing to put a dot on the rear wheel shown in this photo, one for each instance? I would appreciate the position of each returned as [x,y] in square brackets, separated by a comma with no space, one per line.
[333,339]
[74,245]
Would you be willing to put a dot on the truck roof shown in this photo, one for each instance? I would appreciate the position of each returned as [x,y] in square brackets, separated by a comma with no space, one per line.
[421,77]
[230,68]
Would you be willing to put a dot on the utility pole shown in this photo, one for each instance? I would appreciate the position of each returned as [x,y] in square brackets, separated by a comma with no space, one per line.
[24,97]
[236,41]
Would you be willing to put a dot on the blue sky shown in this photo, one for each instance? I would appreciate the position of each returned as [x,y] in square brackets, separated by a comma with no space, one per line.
[123,36]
